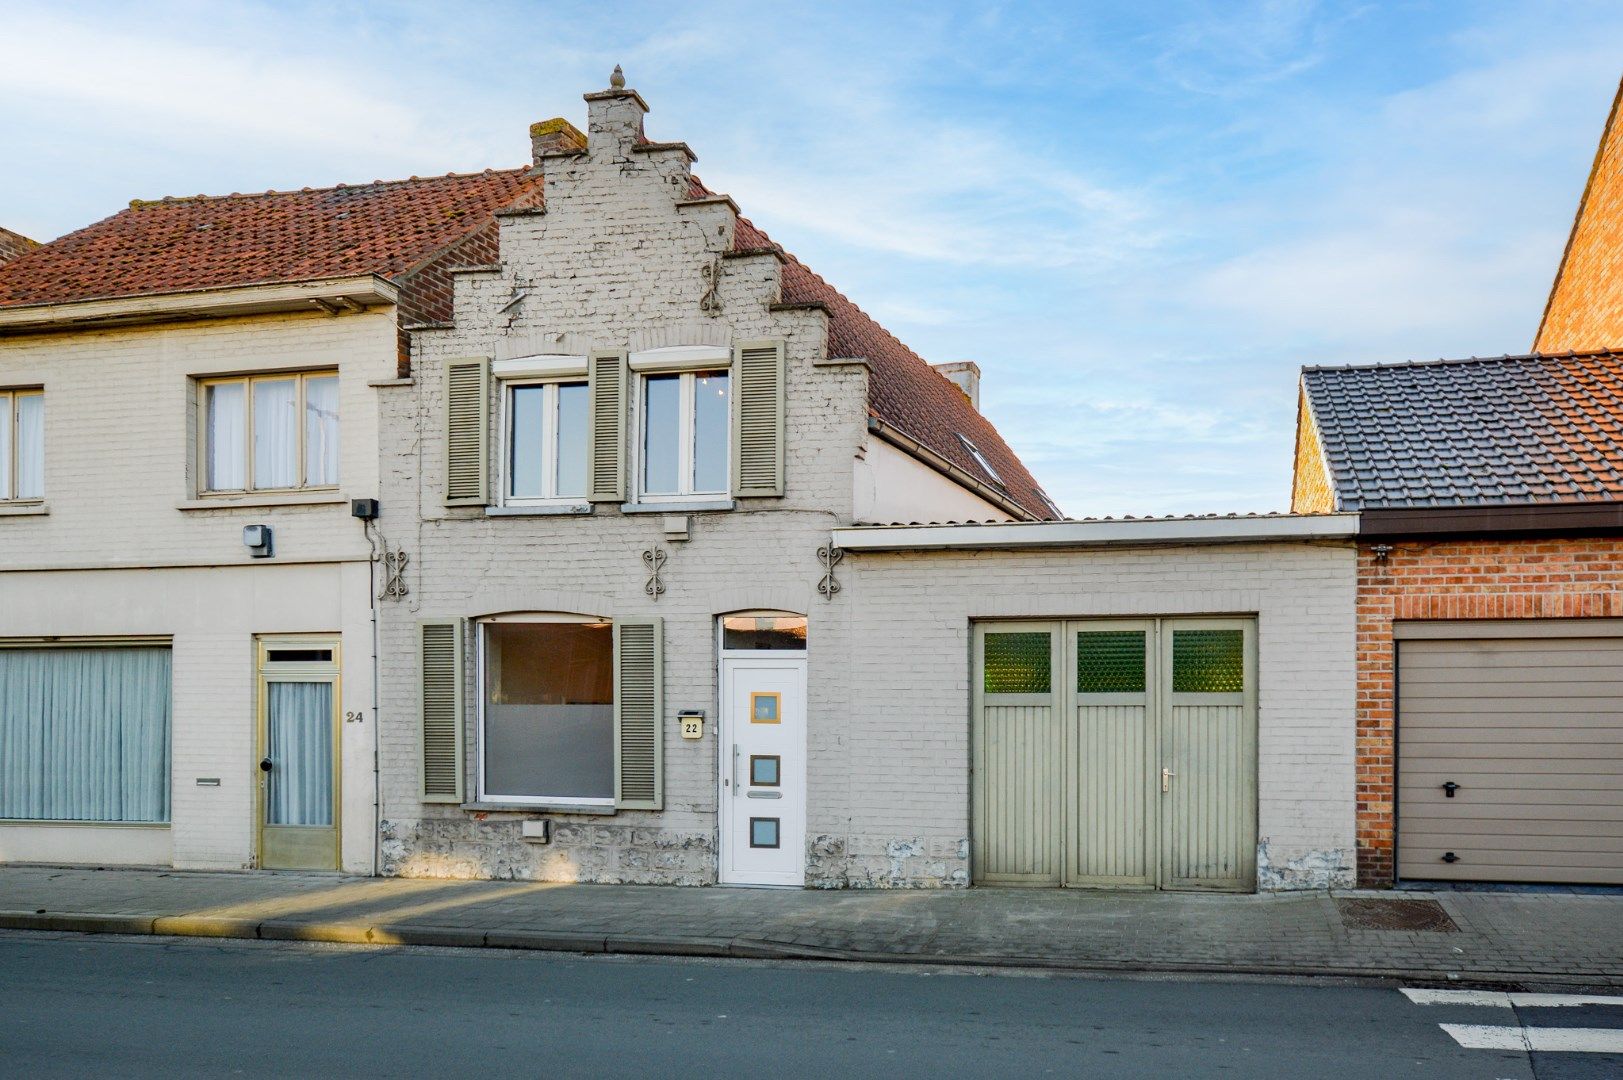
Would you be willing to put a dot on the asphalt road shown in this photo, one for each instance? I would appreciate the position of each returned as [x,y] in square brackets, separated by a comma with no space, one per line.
[87,1006]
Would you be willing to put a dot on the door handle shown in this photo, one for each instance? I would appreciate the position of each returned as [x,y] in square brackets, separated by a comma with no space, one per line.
[1450,788]
[735,770]
[265,764]
[1166,775]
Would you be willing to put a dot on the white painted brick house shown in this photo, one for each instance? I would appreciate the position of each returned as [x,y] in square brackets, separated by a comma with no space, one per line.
[637,614]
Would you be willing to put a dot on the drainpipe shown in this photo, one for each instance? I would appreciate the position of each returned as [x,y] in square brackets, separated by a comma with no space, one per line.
[377,778]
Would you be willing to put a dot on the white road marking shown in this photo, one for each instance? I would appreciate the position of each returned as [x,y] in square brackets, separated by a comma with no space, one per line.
[1499,999]
[1551,1040]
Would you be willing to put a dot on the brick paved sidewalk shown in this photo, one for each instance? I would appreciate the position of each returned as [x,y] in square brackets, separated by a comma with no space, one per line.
[1471,937]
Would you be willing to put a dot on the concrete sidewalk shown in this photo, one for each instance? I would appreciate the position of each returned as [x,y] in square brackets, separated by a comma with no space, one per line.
[1470,937]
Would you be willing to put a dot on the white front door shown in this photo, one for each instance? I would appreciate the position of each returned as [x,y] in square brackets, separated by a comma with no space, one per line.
[763,771]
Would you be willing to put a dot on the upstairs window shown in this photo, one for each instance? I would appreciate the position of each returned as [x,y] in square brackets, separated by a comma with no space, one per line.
[270,432]
[22,445]
[980,459]
[546,442]
[685,420]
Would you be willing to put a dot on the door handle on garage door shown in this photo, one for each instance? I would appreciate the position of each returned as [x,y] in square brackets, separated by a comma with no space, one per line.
[1450,788]
[1166,775]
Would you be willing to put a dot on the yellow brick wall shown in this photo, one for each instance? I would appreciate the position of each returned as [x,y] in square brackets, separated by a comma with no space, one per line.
[1585,310]
[1310,484]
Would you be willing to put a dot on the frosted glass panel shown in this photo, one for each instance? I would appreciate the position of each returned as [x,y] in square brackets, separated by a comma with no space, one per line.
[1208,661]
[1018,663]
[276,433]
[710,423]
[299,787]
[225,437]
[321,431]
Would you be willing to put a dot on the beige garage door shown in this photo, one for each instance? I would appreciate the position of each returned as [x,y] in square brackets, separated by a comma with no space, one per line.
[1530,734]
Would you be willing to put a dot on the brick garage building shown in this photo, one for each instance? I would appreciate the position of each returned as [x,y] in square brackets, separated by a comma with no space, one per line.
[1488,589]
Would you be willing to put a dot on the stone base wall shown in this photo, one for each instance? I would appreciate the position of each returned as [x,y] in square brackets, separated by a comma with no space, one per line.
[878,862]
[586,850]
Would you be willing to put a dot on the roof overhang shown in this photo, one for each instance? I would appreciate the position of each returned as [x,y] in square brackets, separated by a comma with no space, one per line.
[1082,534]
[1498,520]
[331,295]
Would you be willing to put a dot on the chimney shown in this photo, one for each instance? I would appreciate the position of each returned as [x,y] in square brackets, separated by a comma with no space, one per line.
[614,116]
[966,374]
[555,136]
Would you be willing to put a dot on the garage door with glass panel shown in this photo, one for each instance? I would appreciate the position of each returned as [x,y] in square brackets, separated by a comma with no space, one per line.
[1510,752]
[1115,752]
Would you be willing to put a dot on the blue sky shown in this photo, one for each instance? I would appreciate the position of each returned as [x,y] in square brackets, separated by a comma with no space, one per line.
[1139,218]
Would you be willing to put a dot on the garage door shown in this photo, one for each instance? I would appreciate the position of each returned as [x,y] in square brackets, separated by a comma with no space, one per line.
[1112,752]
[1510,759]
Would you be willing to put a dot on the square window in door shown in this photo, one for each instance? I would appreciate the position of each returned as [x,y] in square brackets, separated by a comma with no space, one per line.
[764,832]
[764,770]
[766,708]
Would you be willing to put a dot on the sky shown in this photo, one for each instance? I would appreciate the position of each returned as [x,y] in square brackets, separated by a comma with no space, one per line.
[1139,219]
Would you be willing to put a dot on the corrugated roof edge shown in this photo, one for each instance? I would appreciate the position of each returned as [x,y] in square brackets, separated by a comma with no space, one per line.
[1098,532]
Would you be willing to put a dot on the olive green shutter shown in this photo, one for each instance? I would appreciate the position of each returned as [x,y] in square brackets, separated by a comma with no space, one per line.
[467,422]
[606,428]
[439,648]
[758,407]
[639,708]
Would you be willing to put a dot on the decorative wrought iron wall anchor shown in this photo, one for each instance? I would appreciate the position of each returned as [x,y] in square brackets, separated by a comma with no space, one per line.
[654,560]
[394,575]
[710,299]
[830,557]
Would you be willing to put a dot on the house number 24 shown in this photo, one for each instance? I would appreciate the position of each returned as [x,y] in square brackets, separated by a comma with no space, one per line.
[354,718]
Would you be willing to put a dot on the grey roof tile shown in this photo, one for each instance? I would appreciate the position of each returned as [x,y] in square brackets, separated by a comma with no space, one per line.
[1534,428]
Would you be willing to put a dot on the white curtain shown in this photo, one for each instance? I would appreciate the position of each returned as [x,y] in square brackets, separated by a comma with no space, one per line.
[84,734]
[31,446]
[321,431]
[5,446]
[226,434]
[300,736]
[276,433]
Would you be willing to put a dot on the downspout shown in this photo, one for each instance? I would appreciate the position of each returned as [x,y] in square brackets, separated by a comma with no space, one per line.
[377,761]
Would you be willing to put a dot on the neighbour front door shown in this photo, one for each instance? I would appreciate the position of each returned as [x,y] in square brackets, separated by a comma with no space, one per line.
[298,766]
[763,771]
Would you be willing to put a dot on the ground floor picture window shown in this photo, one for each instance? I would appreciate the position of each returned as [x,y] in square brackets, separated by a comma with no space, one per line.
[548,711]
[84,734]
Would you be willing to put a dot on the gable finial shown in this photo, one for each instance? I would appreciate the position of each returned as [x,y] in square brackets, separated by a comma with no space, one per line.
[617,81]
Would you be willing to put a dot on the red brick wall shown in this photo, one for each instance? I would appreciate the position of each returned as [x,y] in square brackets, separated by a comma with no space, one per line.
[1456,579]
[1585,309]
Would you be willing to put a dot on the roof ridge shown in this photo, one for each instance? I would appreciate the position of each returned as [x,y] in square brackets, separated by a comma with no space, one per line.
[1462,360]
[170,200]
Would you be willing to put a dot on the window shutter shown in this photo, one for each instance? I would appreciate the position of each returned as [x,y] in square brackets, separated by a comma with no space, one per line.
[606,424]
[467,422]
[440,649]
[639,709]
[758,407]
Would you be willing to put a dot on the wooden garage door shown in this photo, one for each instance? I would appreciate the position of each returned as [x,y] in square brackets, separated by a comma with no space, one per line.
[1531,731]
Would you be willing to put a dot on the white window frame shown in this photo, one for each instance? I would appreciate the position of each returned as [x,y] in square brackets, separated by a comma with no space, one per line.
[480,794]
[688,375]
[10,402]
[549,440]
[247,380]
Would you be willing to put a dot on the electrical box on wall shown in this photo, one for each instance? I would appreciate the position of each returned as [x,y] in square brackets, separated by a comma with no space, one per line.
[692,723]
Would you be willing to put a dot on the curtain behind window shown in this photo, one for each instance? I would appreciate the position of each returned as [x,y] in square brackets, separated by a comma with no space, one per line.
[276,433]
[30,446]
[226,433]
[299,718]
[321,431]
[84,734]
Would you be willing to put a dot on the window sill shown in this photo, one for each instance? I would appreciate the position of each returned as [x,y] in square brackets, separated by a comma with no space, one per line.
[675,507]
[540,808]
[263,499]
[67,823]
[561,510]
[24,509]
